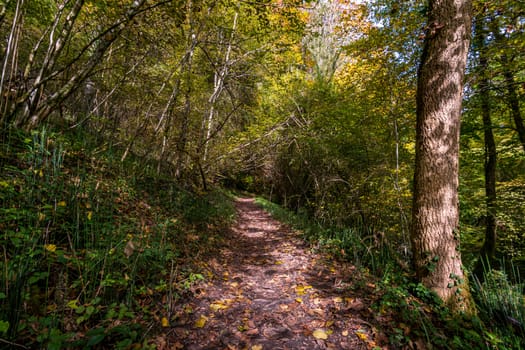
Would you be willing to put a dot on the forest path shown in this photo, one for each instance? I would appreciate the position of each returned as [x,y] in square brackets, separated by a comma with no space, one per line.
[267,290]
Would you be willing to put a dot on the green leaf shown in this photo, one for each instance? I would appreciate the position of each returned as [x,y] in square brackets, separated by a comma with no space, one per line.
[4,326]
[96,339]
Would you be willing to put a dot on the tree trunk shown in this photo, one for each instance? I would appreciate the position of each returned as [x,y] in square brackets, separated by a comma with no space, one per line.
[488,251]
[512,97]
[435,213]
[514,101]
[10,60]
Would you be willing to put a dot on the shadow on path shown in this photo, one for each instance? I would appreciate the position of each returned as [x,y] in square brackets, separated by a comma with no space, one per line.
[267,290]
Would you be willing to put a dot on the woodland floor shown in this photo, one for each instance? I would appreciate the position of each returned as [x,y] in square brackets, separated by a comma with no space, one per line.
[268,290]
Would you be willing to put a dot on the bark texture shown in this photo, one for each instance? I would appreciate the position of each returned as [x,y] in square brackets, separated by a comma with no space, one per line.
[435,214]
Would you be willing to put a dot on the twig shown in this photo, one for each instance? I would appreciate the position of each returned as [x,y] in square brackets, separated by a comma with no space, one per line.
[14,344]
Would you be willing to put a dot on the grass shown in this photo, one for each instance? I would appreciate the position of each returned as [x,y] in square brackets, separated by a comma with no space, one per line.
[500,296]
[89,246]
[416,315]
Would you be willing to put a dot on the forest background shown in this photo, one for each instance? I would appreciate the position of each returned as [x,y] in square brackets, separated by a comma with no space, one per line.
[309,103]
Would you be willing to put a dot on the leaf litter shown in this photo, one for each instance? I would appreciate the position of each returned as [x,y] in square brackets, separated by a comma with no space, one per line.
[266,289]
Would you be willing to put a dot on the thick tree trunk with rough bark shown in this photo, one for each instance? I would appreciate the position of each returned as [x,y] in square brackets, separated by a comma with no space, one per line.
[435,215]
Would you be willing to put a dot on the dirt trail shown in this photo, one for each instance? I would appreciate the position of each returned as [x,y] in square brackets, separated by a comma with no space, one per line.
[267,290]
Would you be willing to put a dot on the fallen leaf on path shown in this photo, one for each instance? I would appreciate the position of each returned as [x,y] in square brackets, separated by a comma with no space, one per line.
[317,311]
[299,300]
[320,334]
[301,290]
[220,304]
[201,322]
[256,347]
[361,335]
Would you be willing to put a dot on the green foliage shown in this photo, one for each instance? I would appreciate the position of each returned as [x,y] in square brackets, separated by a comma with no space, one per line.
[501,302]
[358,244]
[86,245]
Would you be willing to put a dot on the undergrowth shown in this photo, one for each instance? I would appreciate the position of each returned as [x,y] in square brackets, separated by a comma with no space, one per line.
[414,316]
[93,254]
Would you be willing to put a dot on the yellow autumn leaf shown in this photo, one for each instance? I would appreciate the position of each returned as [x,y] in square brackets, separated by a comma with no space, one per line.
[165,323]
[73,304]
[361,335]
[50,247]
[338,300]
[301,290]
[256,347]
[89,215]
[201,322]
[62,204]
[220,305]
[41,216]
[299,300]
[278,262]
[320,334]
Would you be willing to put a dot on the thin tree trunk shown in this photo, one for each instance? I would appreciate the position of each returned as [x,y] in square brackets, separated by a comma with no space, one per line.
[435,213]
[514,101]
[488,251]
[193,40]
[10,57]
[54,50]
[512,95]
[218,87]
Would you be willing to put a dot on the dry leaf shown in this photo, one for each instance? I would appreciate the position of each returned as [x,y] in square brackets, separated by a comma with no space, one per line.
[344,333]
[201,322]
[164,321]
[320,334]
[256,347]
[220,304]
[361,335]
[301,290]
[129,248]
[299,300]
[50,247]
